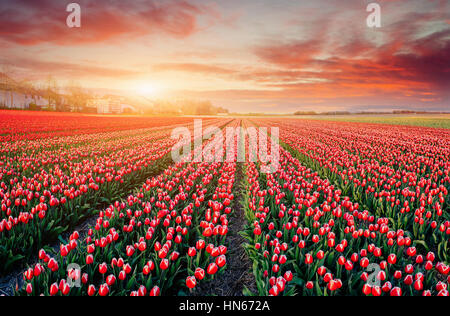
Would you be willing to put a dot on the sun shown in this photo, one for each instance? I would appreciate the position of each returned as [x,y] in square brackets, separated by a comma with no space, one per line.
[147,89]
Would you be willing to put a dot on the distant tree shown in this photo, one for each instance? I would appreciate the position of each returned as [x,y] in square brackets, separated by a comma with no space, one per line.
[52,94]
[222,110]
[336,113]
[205,108]
[77,97]
[7,82]
[188,107]
[305,113]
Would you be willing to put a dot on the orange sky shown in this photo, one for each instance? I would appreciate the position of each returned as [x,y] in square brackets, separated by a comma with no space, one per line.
[246,55]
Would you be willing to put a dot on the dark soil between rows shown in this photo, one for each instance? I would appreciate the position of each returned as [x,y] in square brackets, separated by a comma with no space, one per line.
[238,273]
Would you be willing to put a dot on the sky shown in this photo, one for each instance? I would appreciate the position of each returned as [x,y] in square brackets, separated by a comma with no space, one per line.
[273,56]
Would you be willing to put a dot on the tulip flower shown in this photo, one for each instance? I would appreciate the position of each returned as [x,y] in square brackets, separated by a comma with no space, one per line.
[103,268]
[212,269]
[191,282]
[221,261]
[164,265]
[396,291]
[91,290]
[54,289]
[104,290]
[288,276]
[29,288]
[155,291]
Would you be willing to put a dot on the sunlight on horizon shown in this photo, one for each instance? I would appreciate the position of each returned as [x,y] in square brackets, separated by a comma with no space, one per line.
[147,89]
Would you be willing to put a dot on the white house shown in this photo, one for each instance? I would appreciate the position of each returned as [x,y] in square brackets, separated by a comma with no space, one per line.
[107,105]
[40,101]
[17,100]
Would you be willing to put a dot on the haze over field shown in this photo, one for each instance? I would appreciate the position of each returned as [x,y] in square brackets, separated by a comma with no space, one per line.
[249,56]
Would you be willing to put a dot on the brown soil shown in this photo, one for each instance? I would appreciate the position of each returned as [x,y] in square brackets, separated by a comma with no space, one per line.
[238,273]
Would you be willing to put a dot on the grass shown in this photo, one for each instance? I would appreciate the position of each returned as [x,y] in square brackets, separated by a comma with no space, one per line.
[435,121]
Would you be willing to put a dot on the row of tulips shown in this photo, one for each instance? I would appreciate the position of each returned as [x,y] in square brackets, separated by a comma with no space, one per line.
[46,191]
[393,171]
[307,238]
[164,239]
[24,125]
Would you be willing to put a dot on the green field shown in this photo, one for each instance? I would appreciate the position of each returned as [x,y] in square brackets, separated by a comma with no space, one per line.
[436,121]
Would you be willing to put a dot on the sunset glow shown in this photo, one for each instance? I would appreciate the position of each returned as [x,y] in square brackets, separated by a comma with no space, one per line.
[147,89]
[270,56]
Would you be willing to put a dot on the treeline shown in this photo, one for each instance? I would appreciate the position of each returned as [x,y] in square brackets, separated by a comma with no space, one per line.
[322,113]
[185,107]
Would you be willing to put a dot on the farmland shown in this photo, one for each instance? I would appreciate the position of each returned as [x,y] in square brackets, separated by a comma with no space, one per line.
[426,120]
[352,209]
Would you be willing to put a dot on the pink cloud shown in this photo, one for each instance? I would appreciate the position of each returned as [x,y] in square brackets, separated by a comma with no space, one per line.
[27,23]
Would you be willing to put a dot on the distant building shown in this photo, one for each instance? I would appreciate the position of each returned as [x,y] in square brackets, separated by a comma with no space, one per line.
[40,101]
[115,105]
[109,105]
[21,101]
[102,105]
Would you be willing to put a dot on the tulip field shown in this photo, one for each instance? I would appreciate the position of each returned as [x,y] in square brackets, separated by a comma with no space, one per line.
[96,206]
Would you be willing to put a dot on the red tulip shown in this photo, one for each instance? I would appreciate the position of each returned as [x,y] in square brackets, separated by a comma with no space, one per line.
[110,280]
[392,259]
[367,289]
[212,269]
[328,277]
[387,287]
[130,251]
[288,276]
[142,291]
[54,289]
[104,290]
[89,259]
[418,285]
[122,275]
[192,252]
[396,291]
[155,291]
[274,291]
[91,290]
[164,265]
[308,259]
[411,251]
[103,268]
[199,274]
[191,282]
[376,291]
[334,285]
[221,261]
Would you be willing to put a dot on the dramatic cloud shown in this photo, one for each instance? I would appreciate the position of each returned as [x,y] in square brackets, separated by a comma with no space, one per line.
[30,22]
[406,63]
[36,69]
[262,55]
